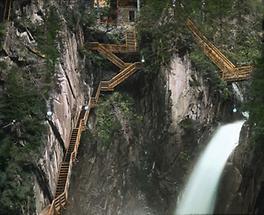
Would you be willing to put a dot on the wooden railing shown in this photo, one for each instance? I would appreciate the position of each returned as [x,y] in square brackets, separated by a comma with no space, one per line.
[128,47]
[230,72]
[131,42]
[120,77]
[63,181]
[107,54]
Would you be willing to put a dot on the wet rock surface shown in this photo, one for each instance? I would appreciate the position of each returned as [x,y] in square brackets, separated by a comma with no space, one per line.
[241,188]
[145,176]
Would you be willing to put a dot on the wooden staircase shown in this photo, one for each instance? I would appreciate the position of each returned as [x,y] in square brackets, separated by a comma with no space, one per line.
[127,69]
[107,54]
[63,181]
[131,43]
[63,173]
[129,47]
[70,149]
[120,77]
[230,72]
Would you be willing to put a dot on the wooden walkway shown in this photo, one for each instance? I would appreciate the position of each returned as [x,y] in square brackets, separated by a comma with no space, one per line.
[64,176]
[230,72]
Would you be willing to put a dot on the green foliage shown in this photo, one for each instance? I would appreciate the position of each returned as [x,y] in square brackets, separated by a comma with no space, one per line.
[3,65]
[256,104]
[233,26]
[2,33]
[47,39]
[94,58]
[46,36]
[108,126]
[209,72]
[201,62]
[20,140]
[125,104]
[161,34]
[20,99]
[79,16]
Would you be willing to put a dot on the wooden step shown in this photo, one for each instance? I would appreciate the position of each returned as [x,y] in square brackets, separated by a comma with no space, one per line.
[64,166]
[61,186]
[61,179]
[112,57]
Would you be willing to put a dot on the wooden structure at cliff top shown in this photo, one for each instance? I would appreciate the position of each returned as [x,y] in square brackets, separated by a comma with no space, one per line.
[230,72]
[122,12]
[126,70]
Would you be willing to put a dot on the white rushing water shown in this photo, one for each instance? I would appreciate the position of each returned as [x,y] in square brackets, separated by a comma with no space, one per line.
[199,194]
[237,92]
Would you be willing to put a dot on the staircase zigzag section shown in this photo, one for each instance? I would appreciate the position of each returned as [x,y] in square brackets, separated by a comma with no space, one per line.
[63,181]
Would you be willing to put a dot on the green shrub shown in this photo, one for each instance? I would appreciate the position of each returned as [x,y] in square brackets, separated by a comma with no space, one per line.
[79,16]
[47,38]
[256,103]
[108,126]
[2,33]
[20,141]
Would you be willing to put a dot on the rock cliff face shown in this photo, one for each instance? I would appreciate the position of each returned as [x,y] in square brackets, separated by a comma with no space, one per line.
[143,168]
[241,188]
[68,92]
[65,105]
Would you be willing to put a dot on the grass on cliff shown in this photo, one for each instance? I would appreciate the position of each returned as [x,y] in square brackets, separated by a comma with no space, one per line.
[108,126]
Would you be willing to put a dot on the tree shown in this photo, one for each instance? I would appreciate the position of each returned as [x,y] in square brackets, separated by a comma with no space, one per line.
[256,105]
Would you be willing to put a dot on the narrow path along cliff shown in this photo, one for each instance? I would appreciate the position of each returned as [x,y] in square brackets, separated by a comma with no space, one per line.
[106,106]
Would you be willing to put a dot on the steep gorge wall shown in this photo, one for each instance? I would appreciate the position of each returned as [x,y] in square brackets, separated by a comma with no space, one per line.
[143,169]
[65,106]
[68,91]
[181,121]
[241,187]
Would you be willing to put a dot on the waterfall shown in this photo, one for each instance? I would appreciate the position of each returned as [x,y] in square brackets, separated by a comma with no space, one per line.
[237,92]
[199,195]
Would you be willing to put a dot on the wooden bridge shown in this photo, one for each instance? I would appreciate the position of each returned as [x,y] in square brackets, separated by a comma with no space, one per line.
[230,72]
[127,69]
